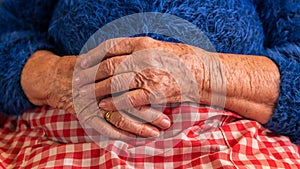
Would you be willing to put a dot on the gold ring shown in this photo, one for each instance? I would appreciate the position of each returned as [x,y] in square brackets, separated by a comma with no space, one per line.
[108,115]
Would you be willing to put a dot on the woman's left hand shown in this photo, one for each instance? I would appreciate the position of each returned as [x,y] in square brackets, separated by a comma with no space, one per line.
[144,71]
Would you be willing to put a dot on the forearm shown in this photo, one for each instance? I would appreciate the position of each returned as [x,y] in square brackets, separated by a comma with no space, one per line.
[252,85]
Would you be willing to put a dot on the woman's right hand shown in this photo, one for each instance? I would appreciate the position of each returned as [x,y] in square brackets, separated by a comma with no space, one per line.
[47,80]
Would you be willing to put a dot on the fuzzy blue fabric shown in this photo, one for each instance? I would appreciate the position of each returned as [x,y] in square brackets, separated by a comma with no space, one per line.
[23,30]
[256,27]
[281,23]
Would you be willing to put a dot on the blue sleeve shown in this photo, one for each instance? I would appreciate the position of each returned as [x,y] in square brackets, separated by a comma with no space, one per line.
[23,30]
[281,23]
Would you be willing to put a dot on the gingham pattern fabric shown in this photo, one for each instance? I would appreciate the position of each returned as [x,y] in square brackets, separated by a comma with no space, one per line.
[49,138]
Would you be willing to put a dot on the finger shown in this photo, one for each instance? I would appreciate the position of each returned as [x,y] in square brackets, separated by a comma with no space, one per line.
[85,76]
[128,100]
[115,47]
[108,67]
[129,45]
[116,84]
[124,122]
[111,47]
[88,117]
[149,114]
[101,71]
[106,129]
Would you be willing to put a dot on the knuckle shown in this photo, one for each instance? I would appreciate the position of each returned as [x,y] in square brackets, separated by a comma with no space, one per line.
[107,67]
[131,100]
[154,115]
[117,84]
[139,80]
[141,109]
[144,96]
[141,130]
[145,42]
[121,122]
[154,97]
[109,43]
[105,45]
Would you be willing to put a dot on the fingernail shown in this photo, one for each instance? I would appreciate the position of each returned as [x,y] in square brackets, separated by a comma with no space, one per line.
[102,104]
[165,123]
[154,133]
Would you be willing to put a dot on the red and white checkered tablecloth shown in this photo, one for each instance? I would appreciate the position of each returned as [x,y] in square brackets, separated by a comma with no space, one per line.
[206,138]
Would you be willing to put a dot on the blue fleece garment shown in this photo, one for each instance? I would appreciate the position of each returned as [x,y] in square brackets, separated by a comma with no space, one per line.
[270,28]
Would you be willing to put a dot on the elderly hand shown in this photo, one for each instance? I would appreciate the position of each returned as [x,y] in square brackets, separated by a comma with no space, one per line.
[152,72]
[47,80]
[143,71]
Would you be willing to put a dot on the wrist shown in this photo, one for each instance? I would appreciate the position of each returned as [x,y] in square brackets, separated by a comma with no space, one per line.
[248,84]
[36,76]
[252,85]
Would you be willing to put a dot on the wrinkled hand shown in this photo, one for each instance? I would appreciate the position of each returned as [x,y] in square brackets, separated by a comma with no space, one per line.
[143,71]
[47,80]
